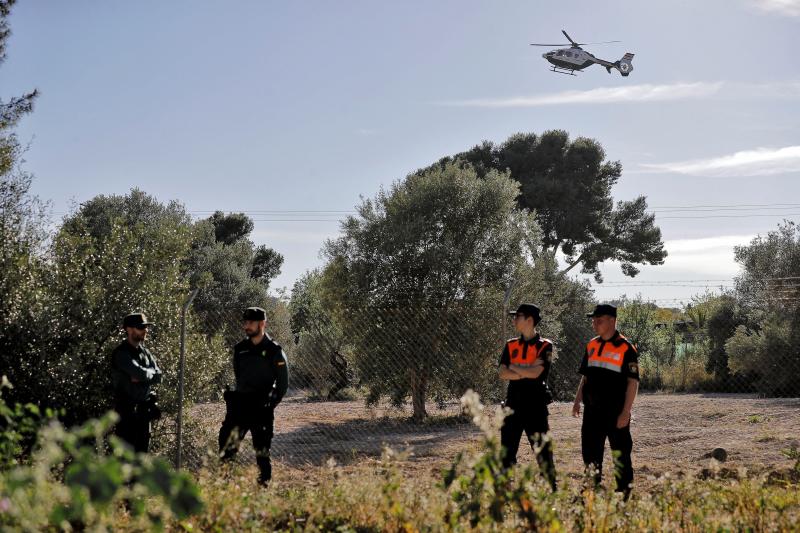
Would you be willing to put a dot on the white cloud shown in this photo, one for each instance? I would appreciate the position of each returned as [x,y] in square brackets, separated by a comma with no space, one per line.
[643,93]
[781,7]
[688,246]
[601,95]
[758,162]
[705,257]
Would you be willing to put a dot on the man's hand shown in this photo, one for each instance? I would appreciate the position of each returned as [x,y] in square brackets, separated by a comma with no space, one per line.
[623,419]
[576,409]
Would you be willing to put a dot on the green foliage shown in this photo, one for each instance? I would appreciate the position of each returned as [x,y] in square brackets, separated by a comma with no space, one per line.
[231,273]
[23,222]
[19,425]
[793,454]
[482,489]
[567,184]
[115,255]
[321,358]
[724,318]
[72,483]
[768,294]
[131,268]
[437,242]
[13,110]
[768,356]
[231,228]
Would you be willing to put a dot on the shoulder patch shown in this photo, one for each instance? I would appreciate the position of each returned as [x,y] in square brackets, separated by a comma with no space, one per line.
[633,367]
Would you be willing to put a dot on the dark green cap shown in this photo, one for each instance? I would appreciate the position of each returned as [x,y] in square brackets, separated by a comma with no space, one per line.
[254,313]
[135,320]
[603,310]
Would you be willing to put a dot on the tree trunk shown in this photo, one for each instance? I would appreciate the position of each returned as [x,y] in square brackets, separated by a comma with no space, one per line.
[419,389]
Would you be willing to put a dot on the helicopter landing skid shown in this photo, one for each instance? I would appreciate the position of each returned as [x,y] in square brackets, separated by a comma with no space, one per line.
[563,71]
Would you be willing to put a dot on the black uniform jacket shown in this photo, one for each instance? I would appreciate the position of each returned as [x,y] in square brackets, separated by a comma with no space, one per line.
[607,365]
[528,393]
[135,371]
[261,369]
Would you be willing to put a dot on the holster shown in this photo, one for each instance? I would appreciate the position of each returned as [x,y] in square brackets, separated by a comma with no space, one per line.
[151,409]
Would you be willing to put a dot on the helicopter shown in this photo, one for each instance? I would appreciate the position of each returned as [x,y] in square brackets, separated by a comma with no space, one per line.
[568,60]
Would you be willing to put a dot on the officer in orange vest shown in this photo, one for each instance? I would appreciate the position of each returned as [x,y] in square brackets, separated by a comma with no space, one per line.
[525,364]
[610,381]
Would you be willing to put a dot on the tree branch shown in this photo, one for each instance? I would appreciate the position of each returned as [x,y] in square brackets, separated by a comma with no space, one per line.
[573,264]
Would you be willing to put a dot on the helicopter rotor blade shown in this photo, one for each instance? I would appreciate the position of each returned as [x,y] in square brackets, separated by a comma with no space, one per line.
[602,42]
[569,38]
[540,44]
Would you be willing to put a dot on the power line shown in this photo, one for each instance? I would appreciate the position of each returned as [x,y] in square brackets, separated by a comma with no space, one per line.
[722,206]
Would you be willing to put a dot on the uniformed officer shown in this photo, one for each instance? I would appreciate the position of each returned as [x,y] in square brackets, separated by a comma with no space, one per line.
[610,381]
[135,371]
[525,364]
[262,378]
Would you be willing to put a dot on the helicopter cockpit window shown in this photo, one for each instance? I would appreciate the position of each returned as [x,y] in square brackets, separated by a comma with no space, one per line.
[560,53]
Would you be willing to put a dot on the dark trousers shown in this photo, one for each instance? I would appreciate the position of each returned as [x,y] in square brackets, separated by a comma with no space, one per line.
[534,425]
[597,427]
[247,413]
[134,425]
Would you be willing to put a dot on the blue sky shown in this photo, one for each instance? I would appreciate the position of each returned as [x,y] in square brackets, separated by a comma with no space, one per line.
[304,106]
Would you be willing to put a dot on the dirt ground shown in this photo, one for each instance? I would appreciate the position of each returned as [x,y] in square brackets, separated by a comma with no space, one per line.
[671,433]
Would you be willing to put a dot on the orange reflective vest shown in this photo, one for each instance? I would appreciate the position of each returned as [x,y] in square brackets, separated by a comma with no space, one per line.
[523,353]
[610,357]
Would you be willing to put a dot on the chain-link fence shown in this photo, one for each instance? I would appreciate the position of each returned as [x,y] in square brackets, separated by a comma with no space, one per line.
[362,378]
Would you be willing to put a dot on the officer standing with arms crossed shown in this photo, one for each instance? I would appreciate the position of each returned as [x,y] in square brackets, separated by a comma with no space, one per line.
[262,378]
[135,371]
[525,364]
[610,369]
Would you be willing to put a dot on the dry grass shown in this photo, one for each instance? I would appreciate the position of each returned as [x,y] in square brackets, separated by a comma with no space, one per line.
[672,433]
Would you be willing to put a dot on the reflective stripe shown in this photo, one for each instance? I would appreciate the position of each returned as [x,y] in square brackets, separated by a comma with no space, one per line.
[604,364]
[610,358]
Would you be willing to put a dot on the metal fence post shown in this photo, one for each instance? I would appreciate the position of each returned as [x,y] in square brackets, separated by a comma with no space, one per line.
[504,319]
[181,370]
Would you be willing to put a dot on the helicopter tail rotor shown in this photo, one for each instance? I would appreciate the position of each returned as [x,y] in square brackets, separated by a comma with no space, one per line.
[624,65]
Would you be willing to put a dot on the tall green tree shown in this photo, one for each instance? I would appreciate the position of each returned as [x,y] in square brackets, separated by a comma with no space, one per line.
[568,184]
[431,248]
[13,110]
[768,291]
[231,228]
[770,275]
[724,317]
[23,232]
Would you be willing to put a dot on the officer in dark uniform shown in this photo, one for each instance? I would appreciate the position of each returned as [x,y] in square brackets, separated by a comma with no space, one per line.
[525,364]
[262,378]
[135,371]
[610,369]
